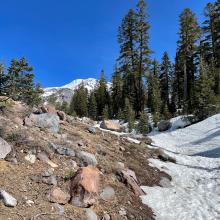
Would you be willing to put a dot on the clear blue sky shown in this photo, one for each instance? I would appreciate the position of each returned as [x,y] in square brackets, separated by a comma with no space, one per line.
[70,39]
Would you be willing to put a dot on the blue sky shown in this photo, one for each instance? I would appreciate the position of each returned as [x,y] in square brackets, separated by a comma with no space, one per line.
[70,39]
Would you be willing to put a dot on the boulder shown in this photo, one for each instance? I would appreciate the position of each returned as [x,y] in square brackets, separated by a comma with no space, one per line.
[8,200]
[5,148]
[164,125]
[107,193]
[87,158]
[45,121]
[56,195]
[84,187]
[61,115]
[128,177]
[111,125]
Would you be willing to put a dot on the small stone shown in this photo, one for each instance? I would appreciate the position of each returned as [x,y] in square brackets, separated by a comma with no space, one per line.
[87,158]
[107,193]
[122,212]
[106,217]
[5,148]
[121,148]
[47,173]
[29,202]
[31,158]
[92,130]
[56,195]
[43,157]
[59,208]
[119,165]
[52,180]
[8,200]
[91,215]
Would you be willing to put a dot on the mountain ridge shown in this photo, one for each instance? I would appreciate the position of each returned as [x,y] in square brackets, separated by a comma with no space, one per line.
[65,92]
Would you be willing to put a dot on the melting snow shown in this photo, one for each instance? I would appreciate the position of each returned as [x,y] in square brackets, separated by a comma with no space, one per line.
[195,187]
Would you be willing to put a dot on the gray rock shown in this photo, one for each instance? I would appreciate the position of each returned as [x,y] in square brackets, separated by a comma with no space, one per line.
[45,121]
[30,157]
[87,158]
[8,200]
[5,148]
[62,150]
[92,130]
[47,173]
[59,208]
[91,215]
[111,125]
[164,125]
[107,193]
[52,180]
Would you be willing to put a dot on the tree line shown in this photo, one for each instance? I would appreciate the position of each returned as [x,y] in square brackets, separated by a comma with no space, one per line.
[188,85]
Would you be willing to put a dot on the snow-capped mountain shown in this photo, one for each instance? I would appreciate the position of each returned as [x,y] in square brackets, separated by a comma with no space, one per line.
[65,93]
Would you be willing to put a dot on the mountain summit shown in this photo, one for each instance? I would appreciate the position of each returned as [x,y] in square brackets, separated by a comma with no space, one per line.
[65,93]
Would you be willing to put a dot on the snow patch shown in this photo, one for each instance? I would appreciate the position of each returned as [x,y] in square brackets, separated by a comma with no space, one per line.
[194,191]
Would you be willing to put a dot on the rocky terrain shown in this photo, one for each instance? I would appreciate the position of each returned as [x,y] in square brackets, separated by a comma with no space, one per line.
[53,166]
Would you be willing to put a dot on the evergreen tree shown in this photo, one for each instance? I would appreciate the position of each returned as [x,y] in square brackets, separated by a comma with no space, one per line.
[65,107]
[143,123]
[128,59]
[92,108]
[189,35]
[205,94]
[102,94]
[211,42]
[165,78]
[143,55]
[52,99]
[21,84]
[117,101]
[129,115]
[154,99]
[78,103]
[105,113]
[3,81]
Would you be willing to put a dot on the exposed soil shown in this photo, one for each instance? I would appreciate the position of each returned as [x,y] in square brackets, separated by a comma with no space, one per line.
[109,149]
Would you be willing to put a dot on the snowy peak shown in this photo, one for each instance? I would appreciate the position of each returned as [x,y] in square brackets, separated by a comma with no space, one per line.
[65,93]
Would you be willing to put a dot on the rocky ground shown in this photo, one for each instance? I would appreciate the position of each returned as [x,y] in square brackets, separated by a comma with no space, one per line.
[48,151]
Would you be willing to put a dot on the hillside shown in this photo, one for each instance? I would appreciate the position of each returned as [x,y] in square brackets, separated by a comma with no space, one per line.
[46,153]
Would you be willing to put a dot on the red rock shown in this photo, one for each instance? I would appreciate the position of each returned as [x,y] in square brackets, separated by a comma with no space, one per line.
[84,187]
[56,195]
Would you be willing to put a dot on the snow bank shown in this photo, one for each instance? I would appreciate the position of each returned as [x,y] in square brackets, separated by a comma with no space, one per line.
[195,186]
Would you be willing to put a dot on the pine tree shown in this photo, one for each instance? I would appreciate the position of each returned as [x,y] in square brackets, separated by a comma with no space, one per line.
[3,80]
[205,94]
[78,103]
[116,95]
[52,99]
[165,81]
[21,84]
[102,94]
[65,107]
[143,123]
[128,59]
[129,115]
[92,107]
[154,99]
[189,35]
[105,113]
[143,55]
